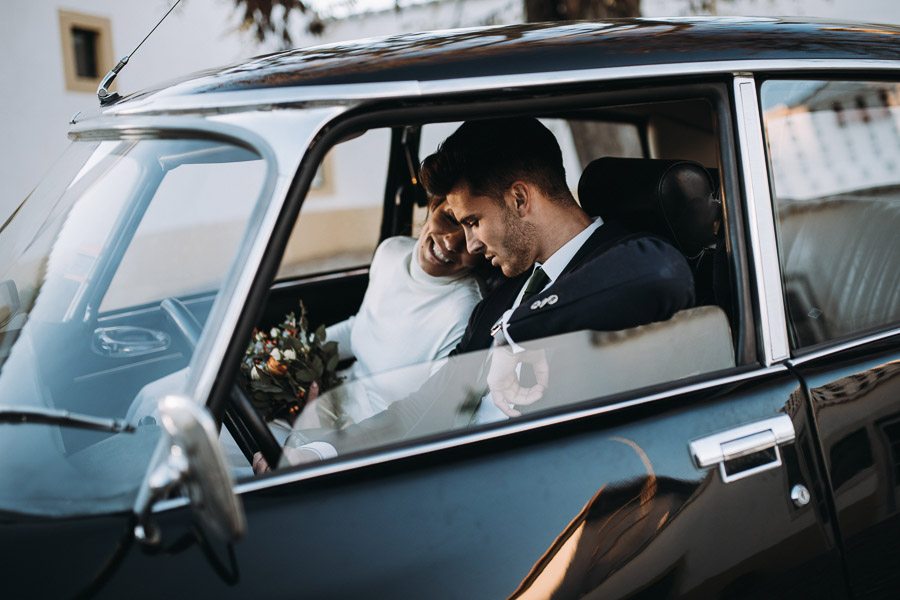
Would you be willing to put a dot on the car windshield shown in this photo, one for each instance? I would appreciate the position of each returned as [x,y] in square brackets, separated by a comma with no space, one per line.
[109,270]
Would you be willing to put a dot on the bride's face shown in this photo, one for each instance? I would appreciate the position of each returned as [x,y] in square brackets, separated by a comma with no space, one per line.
[442,243]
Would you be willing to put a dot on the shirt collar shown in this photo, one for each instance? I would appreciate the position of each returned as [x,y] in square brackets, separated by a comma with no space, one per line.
[559,260]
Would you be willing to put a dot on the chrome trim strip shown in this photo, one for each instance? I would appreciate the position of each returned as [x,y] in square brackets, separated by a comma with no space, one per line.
[320,278]
[167,100]
[841,347]
[761,221]
[502,431]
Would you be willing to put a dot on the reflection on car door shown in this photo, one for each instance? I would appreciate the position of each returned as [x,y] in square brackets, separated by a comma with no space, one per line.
[611,503]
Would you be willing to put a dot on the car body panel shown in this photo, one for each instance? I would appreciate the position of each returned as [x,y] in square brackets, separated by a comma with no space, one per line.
[854,397]
[492,518]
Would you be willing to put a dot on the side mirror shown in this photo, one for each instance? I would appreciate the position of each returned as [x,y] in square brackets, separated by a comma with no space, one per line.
[189,456]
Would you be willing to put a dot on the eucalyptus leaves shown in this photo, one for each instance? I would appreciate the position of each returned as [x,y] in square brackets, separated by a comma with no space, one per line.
[288,366]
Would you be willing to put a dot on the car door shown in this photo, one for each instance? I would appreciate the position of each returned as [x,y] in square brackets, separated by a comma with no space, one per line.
[702,485]
[838,202]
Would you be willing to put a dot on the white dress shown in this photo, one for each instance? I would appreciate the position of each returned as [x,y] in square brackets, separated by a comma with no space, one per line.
[407,317]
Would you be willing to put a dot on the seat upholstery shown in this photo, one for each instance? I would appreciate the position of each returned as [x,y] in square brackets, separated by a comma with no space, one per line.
[674,199]
[840,259]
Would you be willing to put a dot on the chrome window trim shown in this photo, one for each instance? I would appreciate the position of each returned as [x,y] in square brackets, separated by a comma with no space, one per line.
[352,94]
[384,456]
[761,222]
[843,346]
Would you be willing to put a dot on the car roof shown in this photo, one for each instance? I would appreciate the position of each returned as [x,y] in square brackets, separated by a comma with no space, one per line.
[547,47]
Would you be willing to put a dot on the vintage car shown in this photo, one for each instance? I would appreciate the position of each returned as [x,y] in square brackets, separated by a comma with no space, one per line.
[747,447]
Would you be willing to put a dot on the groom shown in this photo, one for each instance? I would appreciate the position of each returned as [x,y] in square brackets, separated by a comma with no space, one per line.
[505,183]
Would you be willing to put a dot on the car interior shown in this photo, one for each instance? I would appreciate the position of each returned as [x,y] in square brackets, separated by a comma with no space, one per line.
[653,164]
[652,159]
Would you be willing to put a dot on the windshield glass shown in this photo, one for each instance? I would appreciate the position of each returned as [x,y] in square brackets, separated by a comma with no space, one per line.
[109,270]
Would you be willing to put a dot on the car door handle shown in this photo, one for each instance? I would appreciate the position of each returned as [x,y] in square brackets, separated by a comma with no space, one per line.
[124,341]
[745,450]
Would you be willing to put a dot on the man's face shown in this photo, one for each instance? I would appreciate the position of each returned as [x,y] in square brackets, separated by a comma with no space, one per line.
[495,229]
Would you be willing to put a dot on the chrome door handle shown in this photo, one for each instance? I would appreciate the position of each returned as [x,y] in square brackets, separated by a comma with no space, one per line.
[124,341]
[745,450]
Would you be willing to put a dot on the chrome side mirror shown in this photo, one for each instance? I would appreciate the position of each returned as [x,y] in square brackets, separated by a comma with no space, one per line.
[189,456]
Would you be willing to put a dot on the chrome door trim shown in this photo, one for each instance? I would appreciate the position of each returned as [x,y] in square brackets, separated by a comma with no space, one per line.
[843,346]
[384,456]
[761,222]
[354,94]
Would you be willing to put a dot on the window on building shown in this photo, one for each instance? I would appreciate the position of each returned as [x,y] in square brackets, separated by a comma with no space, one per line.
[84,44]
[87,50]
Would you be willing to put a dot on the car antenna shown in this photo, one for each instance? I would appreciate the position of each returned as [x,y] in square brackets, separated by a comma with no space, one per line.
[103,92]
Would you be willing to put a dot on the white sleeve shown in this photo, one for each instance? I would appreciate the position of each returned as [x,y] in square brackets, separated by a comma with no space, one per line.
[341,333]
[323,449]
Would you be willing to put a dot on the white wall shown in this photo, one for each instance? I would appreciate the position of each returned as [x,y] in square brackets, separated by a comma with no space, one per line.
[35,106]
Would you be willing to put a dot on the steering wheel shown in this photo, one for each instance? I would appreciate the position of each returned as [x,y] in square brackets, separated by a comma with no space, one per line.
[242,420]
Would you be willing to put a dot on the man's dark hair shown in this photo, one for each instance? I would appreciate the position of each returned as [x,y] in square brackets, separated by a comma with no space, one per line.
[488,156]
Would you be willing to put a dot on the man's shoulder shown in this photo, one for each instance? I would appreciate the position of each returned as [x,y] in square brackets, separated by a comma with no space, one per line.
[627,242]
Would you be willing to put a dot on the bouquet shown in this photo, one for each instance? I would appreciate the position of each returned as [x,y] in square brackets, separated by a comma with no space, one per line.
[288,366]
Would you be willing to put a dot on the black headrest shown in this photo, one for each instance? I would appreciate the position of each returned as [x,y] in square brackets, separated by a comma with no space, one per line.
[674,199]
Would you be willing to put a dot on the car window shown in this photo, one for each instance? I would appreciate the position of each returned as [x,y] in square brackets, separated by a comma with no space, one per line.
[340,219]
[581,140]
[197,210]
[407,387]
[834,151]
[94,231]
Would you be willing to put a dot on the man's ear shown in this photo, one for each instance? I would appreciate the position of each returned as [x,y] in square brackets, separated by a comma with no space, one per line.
[521,197]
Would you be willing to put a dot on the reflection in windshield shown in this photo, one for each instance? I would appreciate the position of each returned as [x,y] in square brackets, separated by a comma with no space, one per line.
[86,261]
